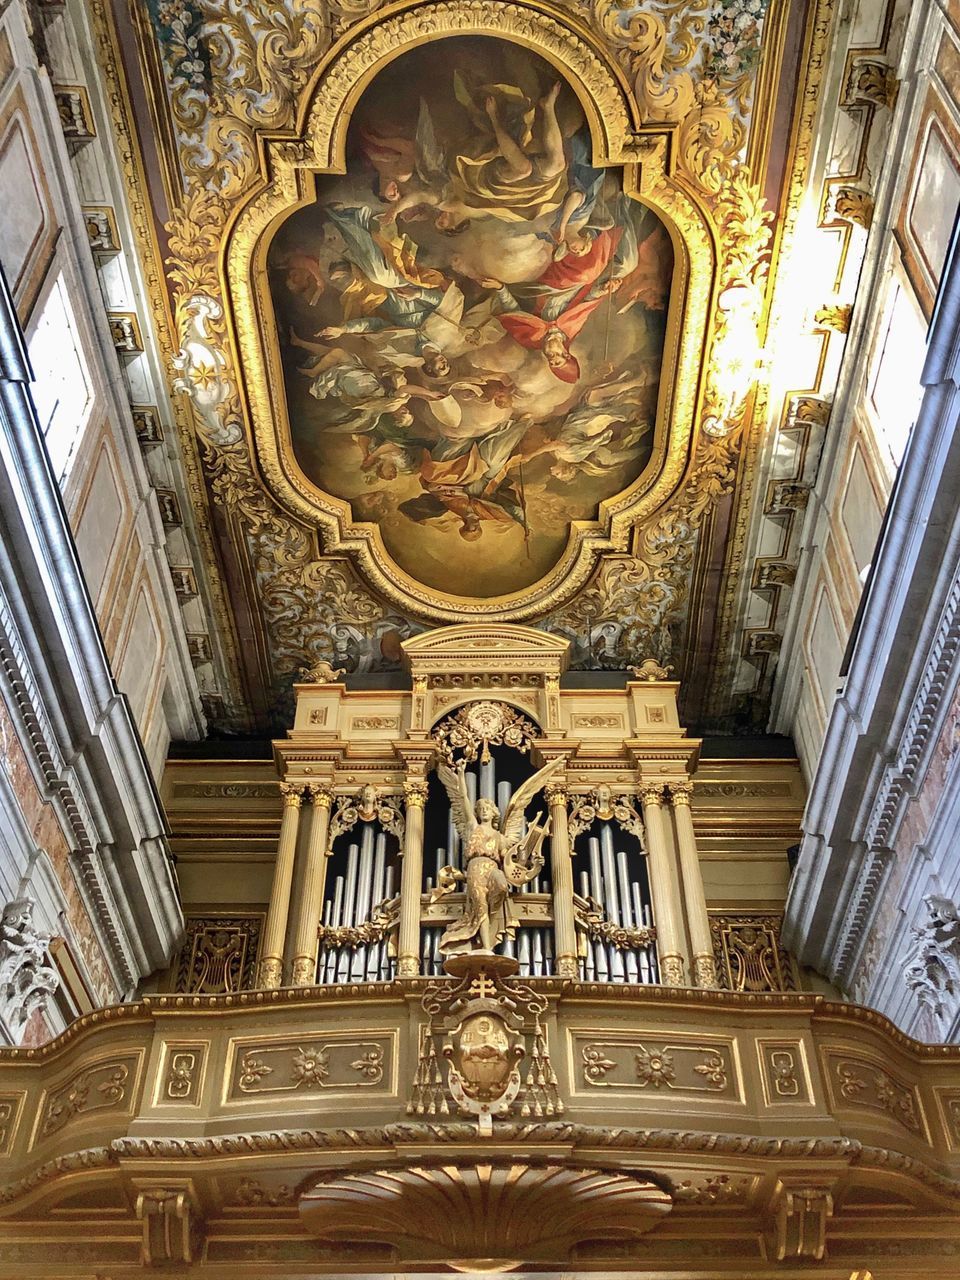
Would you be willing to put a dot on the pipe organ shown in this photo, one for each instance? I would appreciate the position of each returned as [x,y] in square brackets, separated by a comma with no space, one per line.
[371,866]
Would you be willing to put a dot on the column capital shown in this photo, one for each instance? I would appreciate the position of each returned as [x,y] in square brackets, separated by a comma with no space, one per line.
[681,793]
[415,792]
[555,793]
[292,793]
[320,793]
[651,793]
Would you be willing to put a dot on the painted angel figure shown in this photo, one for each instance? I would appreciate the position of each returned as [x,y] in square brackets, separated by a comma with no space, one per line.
[497,855]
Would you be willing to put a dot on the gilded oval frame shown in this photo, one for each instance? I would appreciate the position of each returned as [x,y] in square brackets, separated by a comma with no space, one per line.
[290,165]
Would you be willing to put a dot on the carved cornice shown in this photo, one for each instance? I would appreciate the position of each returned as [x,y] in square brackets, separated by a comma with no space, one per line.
[539,1134]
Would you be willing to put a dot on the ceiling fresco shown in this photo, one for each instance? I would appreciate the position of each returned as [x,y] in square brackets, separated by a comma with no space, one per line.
[472,319]
[464,310]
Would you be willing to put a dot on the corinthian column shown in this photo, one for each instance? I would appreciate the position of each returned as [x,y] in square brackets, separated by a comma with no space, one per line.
[307,910]
[698,922]
[411,879]
[270,970]
[664,889]
[561,871]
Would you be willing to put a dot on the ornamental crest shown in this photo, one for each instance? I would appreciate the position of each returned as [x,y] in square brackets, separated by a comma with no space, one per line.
[489,1035]
[475,728]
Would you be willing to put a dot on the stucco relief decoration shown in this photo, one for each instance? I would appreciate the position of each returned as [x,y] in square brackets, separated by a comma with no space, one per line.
[932,964]
[480,290]
[27,978]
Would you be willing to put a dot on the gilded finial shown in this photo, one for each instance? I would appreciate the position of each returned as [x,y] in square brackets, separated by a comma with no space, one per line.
[650,670]
[322,672]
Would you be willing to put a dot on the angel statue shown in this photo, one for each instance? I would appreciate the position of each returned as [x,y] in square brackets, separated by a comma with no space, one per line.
[497,854]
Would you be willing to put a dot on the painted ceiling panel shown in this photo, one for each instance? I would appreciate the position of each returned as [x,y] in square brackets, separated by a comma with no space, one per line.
[465,308]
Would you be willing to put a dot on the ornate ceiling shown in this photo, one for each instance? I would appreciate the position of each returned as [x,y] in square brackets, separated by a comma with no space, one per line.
[464,304]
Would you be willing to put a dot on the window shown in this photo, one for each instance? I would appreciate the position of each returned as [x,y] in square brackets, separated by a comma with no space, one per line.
[61,387]
[895,391]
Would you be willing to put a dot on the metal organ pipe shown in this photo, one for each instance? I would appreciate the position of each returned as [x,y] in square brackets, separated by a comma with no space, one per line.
[358,957]
[611,883]
[626,913]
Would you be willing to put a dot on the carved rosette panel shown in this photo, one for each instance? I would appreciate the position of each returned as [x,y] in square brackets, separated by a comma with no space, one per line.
[783,1067]
[859,1083]
[181,1074]
[655,1064]
[312,1064]
[106,1086]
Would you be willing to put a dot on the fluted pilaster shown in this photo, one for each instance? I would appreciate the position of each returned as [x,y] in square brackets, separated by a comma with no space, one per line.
[695,901]
[270,969]
[561,872]
[664,889]
[411,879]
[307,910]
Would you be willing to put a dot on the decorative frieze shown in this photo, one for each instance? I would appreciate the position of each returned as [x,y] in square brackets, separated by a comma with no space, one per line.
[226,790]
[716,1188]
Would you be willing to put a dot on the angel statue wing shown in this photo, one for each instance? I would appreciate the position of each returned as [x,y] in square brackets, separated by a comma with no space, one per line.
[512,824]
[464,818]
